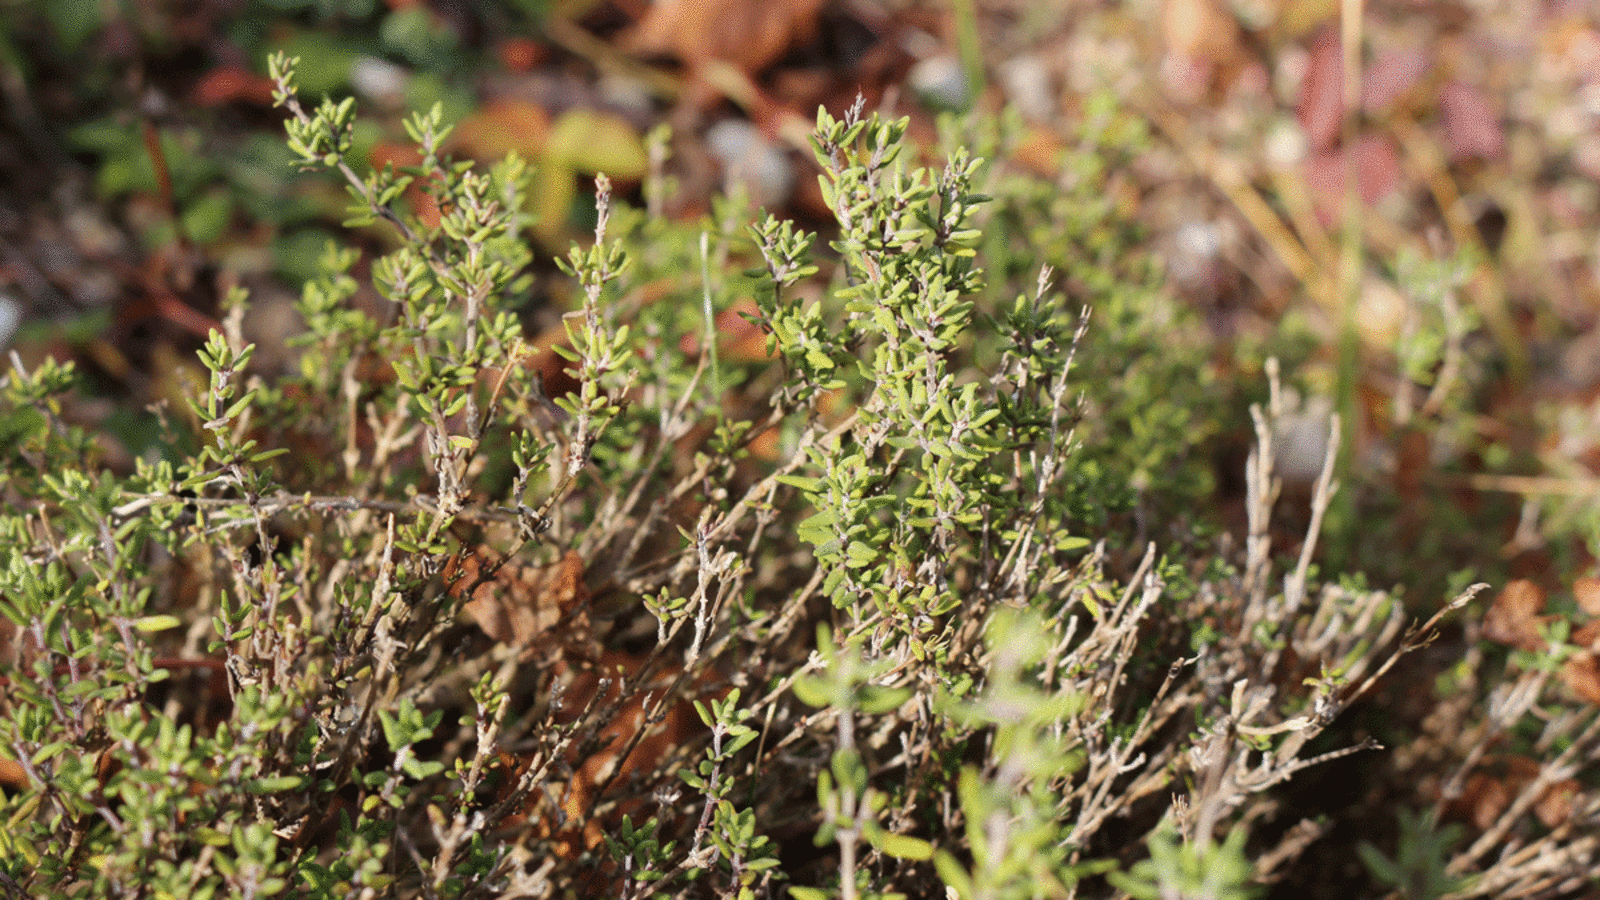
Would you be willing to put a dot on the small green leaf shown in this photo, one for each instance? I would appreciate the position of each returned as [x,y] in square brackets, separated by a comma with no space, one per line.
[903,847]
[812,691]
[152,624]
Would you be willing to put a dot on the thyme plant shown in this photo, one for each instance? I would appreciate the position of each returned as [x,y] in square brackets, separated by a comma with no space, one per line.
[438,612]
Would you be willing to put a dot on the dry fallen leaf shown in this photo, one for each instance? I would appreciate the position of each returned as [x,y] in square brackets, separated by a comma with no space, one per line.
[232,84]
[748,36]
[12,776]
[1490,791]
[518,603]
[648,724]
[1513,618]
[1555,805]
[401,155]
[1581,673]
[1587,592]
[520,54]
[1200,30]
[501,126]
[1482,801]
[738,338]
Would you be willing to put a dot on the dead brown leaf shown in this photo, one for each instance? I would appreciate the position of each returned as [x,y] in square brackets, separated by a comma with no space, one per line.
[401,155]
[1514,617]
[1482,801]
[1373,161]
[1555,805]
[12,776]
[232,84]
[1587,592]
[501,126]
[517,604]
[747,35]
[1587,636]
[520,54]
[1201,30]
[738,338]
[1581,673]
[1490,792]
[641,729]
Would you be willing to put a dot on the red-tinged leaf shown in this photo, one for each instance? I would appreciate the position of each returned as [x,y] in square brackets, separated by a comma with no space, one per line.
[1394,77]
[1320,108]
[1472,126]
[230,84]
[1374,163]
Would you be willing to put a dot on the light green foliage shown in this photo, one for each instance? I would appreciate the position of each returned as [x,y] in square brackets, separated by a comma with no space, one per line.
[726,831]
[1201,871]
[1149,402]
[930,461]
[849,686]
[312,658]
[1012,812]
